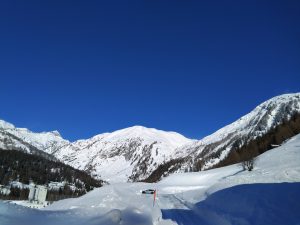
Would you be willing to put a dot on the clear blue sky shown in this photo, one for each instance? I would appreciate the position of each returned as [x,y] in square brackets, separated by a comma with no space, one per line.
[87,67]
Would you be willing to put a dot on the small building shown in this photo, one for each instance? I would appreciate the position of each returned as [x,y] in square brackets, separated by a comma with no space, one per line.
[56,185]
[37,194]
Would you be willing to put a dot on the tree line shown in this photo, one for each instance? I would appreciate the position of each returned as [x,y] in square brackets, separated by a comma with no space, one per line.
[16,165]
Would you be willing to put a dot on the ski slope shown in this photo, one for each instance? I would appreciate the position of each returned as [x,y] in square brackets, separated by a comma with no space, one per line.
[269,194]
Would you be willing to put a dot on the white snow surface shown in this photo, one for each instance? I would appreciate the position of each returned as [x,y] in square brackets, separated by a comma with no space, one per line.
[178,196]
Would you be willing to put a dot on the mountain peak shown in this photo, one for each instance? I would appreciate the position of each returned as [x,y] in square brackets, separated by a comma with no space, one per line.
[148,135]
[6,125]
[132,153]
[264,117]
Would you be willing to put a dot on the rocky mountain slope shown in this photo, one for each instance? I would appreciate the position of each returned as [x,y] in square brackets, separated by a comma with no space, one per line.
[138,153]
[255,124]
[269,124]
[30,142]
[128,154]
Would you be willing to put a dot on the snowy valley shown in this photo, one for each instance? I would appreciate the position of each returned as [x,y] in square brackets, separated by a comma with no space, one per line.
[267,195]
[150,112]
[196,181]
[139,153]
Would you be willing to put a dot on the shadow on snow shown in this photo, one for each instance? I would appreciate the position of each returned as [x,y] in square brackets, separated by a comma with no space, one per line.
[250,204]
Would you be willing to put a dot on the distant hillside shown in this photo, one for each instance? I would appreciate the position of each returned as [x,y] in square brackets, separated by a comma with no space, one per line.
[268,125]
[23,167]
[131,153]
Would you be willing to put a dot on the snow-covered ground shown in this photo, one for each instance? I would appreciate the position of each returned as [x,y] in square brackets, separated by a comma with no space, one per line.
[28,204]
[270,194]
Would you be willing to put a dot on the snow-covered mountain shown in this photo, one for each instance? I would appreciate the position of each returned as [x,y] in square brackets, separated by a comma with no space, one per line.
[137,152]
[127,154]
[30,142]
[259,122]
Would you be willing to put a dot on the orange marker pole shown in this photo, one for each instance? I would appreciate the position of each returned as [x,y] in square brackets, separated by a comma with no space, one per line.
[154,197]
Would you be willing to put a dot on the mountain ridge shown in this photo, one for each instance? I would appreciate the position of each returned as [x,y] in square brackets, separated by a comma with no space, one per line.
[134,153]
[253,133]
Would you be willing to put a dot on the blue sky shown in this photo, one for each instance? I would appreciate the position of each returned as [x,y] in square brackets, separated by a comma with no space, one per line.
[87,67]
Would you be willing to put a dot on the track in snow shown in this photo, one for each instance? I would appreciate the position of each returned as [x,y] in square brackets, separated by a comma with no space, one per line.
[184,212]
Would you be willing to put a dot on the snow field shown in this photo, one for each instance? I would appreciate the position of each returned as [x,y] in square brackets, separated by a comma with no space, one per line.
[218,196]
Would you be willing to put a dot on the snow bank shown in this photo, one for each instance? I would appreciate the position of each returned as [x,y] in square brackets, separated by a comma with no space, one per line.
[16,215]
[252,204]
